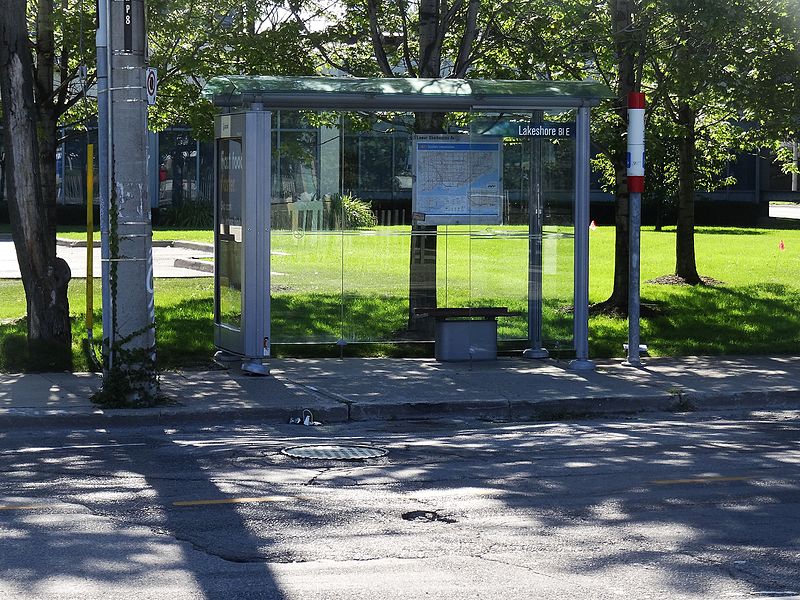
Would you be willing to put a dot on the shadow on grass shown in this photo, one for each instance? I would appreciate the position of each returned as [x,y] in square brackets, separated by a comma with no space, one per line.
[727,231]
[713,231]
[756,319]
[17,355]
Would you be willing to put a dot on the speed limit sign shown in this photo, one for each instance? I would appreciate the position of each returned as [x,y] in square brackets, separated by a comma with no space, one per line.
[151,84]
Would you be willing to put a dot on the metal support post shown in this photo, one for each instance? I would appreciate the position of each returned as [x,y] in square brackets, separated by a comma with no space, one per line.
[104,171]
[535,230]
[635,220]
[581,258]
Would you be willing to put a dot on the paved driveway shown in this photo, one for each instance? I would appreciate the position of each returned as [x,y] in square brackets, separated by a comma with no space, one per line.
[163,260]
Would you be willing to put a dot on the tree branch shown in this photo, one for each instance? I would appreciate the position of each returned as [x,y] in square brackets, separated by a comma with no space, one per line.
[377,42]
[402,6]
[463,61]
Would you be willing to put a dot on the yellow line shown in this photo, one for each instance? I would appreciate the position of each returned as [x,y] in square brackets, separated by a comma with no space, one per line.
[234,501]
[700,480]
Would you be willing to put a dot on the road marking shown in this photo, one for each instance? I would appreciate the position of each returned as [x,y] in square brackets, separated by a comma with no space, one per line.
[33,449]
[25,506]
[711,479]
[235,500]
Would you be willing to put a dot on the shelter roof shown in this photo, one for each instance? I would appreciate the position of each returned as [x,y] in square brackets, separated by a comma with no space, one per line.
[396,93]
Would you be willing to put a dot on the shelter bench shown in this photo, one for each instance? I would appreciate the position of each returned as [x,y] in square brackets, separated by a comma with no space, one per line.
[468,333]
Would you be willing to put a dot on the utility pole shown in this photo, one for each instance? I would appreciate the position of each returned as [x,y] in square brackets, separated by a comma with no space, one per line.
[128,305]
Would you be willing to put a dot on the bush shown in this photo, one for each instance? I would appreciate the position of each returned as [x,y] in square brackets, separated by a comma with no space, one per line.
[195,214]
[356,213]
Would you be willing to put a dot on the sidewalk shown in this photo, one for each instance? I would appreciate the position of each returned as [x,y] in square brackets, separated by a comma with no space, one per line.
[393,389]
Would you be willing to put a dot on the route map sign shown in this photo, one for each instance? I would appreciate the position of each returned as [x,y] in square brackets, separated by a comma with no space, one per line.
[457,180]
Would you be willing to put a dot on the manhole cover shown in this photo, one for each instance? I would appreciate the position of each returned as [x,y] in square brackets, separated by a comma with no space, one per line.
[331,452]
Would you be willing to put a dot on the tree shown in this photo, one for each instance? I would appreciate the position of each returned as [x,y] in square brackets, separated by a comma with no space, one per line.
[192,41]
[32,104]
[409,38]
[573,40]
[709,76]
[623,71]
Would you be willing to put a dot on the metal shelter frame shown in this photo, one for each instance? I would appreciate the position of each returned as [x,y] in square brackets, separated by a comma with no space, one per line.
[247,102]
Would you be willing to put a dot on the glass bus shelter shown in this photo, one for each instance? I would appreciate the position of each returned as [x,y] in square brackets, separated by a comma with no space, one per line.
[398,210]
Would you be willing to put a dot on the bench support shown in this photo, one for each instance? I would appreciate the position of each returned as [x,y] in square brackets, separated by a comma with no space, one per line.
[465,333]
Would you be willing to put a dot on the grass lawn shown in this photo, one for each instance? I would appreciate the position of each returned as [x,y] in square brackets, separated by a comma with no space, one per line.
[752,310]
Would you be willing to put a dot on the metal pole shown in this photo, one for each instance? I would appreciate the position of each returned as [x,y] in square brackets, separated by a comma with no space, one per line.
[535,228]
[635,188]
[581,258]
[104,126]
[635,220]
[89,243]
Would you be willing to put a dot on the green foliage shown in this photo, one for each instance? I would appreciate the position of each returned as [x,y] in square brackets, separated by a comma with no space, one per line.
[355,213]
[132,380]
[192,41]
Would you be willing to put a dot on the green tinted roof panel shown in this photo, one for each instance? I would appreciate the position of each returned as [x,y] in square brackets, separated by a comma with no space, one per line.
[399,93]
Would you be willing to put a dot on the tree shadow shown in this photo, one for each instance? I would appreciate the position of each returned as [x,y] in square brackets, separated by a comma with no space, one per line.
[685,544]
[102,518]
[510,495]
[759,319]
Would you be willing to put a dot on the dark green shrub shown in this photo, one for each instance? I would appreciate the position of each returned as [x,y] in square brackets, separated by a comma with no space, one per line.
[195,214]
[353,212]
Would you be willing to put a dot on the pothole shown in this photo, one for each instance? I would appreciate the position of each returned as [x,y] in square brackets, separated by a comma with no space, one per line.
[426,516]
[335,452]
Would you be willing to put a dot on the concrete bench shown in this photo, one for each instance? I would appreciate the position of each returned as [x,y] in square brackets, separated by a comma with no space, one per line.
[468,333]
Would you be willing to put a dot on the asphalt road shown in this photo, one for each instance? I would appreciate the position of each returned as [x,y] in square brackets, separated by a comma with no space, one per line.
[691,507]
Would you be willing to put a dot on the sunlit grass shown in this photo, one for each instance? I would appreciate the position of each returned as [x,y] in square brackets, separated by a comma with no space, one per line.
[753,310]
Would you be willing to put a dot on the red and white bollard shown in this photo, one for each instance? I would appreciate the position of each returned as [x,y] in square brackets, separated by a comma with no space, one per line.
[635,189]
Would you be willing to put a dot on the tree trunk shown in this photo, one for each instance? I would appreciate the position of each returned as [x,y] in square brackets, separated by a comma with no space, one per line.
[47,120]
[48,144]
[626,49]
[685,264]
[422,255]
[44,276]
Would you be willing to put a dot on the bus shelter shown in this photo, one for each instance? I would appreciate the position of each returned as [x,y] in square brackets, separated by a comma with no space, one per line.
[398,210]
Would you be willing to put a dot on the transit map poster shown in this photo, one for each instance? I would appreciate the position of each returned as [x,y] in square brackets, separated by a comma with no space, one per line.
[457,180]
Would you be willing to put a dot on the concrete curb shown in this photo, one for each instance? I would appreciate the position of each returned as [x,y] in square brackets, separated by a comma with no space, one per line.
[169,415]
[328,407]
[197,265]
[202,247]
[155,243]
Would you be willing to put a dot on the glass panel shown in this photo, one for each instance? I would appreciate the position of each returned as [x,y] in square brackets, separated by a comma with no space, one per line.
[558,232]
[524,263]
[498,251]
[376,242]
[229,233]
[306,244]
[347,264]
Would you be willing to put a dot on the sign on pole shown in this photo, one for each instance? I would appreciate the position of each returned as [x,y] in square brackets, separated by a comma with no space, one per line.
[636,142]
[151,84]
